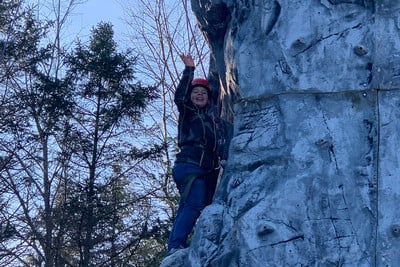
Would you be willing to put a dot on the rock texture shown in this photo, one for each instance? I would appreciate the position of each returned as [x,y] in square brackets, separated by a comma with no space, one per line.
[313,177]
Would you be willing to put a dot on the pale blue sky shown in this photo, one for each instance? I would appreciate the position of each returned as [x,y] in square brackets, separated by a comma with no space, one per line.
[87,15]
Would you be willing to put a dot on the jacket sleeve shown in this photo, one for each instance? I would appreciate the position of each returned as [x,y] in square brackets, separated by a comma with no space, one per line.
[182,93]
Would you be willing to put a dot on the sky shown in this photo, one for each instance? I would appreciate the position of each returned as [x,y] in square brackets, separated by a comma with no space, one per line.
[88,15]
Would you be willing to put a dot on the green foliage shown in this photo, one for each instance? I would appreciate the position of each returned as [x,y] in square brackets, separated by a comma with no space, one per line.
[107,100]
[100,72]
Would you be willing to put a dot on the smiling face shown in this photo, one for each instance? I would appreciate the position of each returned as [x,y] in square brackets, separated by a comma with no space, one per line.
[199,96]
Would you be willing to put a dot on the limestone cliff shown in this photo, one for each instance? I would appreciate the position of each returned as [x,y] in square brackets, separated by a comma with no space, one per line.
[313,177]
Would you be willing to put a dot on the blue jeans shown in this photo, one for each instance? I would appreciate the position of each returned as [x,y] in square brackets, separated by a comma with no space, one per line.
[200,195]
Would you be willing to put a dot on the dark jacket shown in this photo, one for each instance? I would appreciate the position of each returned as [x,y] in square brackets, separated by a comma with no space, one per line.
[201,135]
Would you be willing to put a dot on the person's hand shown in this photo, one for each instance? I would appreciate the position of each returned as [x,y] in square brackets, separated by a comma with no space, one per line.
[187,60]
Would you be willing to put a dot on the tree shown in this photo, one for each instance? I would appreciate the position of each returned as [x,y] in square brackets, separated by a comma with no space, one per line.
[101,128]
[67,153]
[33,104]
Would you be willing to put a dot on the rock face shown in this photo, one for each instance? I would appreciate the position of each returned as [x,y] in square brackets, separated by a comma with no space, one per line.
[313,177]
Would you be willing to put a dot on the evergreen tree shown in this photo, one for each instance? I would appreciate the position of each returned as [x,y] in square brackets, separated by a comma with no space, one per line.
[102,129]
[68,158]
[32,106]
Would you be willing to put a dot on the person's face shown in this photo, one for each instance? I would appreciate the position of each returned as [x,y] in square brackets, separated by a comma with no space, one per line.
[199,96]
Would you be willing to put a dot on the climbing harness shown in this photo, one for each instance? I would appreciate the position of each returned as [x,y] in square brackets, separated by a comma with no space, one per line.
[189,181]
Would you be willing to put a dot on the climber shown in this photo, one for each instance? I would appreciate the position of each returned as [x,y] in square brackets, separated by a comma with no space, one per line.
[202,142]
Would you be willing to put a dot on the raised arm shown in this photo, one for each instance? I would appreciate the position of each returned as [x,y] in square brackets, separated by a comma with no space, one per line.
[182,94]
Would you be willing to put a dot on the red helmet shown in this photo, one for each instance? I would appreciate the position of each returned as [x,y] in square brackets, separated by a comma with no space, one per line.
[201,82]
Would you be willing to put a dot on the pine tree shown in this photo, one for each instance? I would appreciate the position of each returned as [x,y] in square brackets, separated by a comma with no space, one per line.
[108,103]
